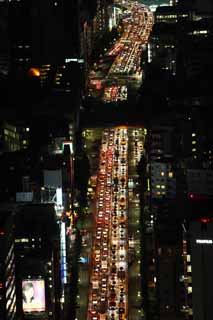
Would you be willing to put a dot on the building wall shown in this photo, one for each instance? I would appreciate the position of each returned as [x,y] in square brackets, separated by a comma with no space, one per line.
[202,266]
[7,269]
[9,138]
[200,181]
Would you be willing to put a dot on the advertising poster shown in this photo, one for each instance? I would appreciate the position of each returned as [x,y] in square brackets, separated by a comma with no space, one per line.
[33,292]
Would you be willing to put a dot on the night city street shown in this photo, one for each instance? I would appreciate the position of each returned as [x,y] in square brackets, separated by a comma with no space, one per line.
[106,160]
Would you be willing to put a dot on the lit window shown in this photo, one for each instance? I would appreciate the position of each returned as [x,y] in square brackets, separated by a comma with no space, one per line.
[27,129]
[193,134]
[24,142]
[162,173]
[189,289]
[158,186]
[170,174]
[158,193]
[194,142]
[162,187]
[189,268]
[188,258]
[194,150]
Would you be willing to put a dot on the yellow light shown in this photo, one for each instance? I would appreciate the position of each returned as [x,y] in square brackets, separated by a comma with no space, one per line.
[189,268]
[188,258]
[148,184]
[189,290]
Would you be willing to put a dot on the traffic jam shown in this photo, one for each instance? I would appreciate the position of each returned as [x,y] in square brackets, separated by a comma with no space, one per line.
[108,297]
[137,21]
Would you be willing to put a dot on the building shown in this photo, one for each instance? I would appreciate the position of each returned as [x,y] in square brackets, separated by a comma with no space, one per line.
[197,256]
[202,7]
[170,14]
[9,138]
[4,50]
[195,49]
[7,266]
[168,261]
[162,47]
[199,182]
[161,142]
[101,21]
[46,38]
[37,251]
[162,180]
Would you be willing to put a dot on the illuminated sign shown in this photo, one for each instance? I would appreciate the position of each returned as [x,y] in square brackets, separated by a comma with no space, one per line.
[74,60]
[59,197]
[204,241]
[63,253]
[33,296]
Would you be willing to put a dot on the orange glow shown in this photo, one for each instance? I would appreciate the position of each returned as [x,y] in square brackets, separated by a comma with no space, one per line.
[98,85]
[121,127]
[34,72]
[68,213]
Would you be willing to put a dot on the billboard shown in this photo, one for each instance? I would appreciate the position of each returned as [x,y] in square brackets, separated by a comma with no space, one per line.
[33,295]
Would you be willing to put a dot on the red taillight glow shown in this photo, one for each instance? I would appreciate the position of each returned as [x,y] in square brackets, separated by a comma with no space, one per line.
[205,220]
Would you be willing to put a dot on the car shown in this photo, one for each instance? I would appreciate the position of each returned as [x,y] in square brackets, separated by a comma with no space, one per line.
[121,310]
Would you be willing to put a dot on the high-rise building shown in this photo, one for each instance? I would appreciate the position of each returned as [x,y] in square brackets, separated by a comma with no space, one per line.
[4,49]
[7,266]
[47,37]
[162,47]
[37,262]
[9,137]
[201,6]
[168,259]
[197,255]
[162,180]
[170,14]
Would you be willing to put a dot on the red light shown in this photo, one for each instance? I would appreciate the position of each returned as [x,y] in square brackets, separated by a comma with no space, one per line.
[1,232]
[205,220]
[197,196]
